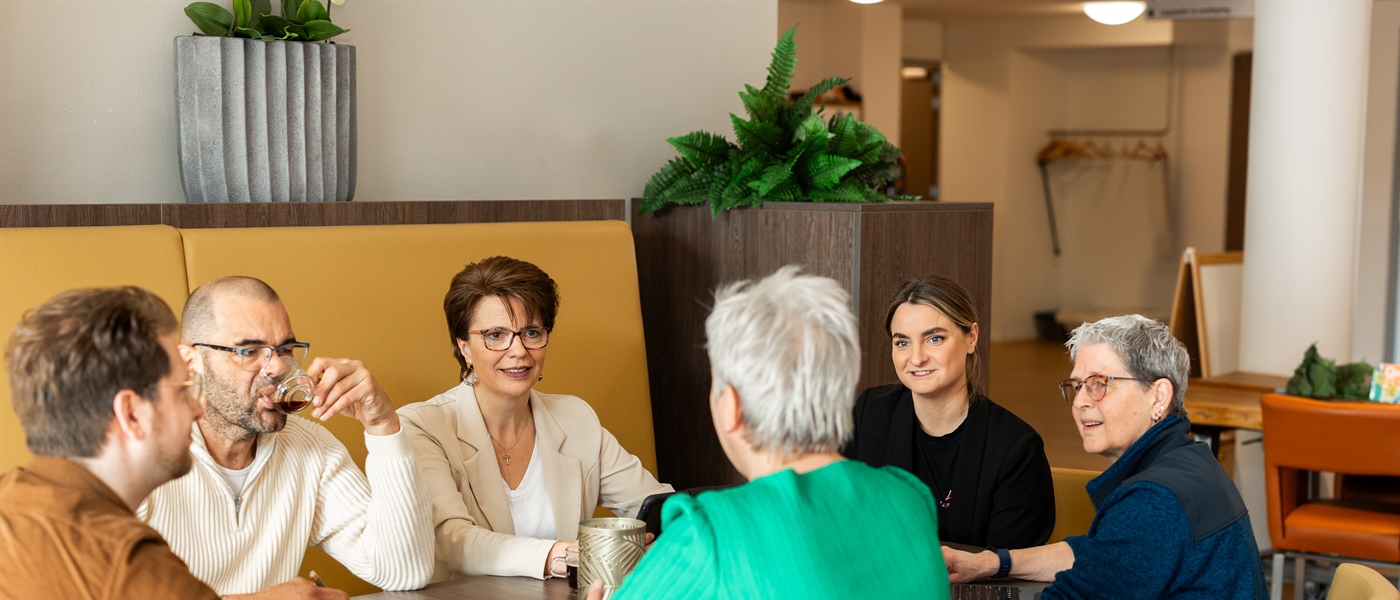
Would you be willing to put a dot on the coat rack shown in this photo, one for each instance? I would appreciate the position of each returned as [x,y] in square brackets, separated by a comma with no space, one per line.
[1064,145]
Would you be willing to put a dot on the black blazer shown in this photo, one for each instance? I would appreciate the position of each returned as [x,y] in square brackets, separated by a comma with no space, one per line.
[1003,494]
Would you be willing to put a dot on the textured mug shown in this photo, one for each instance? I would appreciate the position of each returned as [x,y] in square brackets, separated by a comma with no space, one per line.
[609,549]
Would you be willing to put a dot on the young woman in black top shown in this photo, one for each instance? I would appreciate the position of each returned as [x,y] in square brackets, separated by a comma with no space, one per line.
[984,465]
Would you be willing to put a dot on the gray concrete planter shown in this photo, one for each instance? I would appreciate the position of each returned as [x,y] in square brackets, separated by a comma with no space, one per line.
[265,121]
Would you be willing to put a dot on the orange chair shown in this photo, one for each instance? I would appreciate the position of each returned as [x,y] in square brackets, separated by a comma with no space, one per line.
[1303,436]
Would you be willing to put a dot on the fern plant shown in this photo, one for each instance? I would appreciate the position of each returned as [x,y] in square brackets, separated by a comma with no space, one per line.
[784,151]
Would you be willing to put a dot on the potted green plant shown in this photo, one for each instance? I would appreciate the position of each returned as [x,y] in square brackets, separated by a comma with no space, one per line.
[266,106]
[793,188]
[785,151]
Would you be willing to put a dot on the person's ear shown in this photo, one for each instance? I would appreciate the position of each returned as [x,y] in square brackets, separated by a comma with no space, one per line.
[1162,391]
[130,414]
[193,359]
[972,339]
[729,410]
[462,347]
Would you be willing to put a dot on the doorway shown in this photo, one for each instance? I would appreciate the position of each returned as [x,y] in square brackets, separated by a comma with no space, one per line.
[919,118]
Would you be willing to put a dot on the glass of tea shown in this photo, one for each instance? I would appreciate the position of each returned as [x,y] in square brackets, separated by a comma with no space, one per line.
[292,390]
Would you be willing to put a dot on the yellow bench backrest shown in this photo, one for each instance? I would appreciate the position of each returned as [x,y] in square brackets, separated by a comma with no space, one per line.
[368,292]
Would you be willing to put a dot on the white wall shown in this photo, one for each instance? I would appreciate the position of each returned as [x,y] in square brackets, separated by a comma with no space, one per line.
[458,99]
[861,42]
[1006,83]
[923,40]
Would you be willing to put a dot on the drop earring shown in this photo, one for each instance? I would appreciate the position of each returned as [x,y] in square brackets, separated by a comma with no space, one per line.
[469,376]
[540,379]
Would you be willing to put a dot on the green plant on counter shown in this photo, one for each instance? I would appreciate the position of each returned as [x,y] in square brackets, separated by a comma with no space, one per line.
[1318,377]
[785,152]
[305,20]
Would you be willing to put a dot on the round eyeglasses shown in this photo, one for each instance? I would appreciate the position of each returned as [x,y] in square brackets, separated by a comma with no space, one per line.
[501,338]
[1094,385]
[254,358]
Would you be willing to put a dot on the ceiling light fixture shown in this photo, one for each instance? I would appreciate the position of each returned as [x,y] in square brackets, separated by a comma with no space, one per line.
[867,1]
[1115,12]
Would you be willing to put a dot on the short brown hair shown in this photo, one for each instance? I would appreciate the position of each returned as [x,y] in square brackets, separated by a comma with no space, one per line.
[505,278]
[70,356]
[945,296]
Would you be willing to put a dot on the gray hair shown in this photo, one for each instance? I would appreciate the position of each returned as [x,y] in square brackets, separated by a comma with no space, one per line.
[788,345]
[1147,349]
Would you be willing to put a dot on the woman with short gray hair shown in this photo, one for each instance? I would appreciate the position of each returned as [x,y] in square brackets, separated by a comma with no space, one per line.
[785,358]
[1168,522]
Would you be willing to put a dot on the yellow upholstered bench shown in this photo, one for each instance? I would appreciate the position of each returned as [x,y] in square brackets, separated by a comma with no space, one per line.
[1074,512]
[372,293]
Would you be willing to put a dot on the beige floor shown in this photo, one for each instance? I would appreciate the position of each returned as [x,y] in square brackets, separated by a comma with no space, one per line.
[1024,379]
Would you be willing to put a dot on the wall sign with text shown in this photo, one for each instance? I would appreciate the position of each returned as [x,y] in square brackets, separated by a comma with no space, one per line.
[1193,10]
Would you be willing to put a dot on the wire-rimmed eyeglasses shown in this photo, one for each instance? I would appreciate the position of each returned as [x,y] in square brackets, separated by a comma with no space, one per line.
[193,387]
[1094,385]
[501,338]
[253,358]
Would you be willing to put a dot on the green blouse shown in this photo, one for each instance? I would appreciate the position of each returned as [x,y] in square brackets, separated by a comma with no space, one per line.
[844,531]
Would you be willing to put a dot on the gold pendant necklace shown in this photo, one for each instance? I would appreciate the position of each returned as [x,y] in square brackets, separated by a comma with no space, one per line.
[518,439]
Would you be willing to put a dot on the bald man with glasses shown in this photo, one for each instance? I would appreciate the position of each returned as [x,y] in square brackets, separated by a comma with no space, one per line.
[266,485]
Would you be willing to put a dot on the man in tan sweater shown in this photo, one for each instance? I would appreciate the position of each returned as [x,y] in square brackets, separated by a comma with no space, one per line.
[266,485]
[106,404]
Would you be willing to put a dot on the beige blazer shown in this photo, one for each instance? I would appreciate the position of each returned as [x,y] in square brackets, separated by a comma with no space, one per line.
[584,467]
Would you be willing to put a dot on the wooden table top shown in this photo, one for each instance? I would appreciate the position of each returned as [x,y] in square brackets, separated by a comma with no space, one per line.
[486,588]
[524,588]
[1231,400]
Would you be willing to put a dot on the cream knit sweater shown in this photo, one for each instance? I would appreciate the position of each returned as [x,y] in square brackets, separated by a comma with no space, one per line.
[302,490]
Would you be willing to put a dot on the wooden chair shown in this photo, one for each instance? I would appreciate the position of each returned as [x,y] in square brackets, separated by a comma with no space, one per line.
[1302,437]
[1360,582]
[1074,512]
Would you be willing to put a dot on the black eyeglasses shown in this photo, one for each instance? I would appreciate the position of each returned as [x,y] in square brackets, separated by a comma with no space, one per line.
[1094,385]
[501,338]
[253,358]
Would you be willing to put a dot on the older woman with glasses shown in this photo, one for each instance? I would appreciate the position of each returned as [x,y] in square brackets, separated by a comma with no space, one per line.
[1169,522]
[510,471]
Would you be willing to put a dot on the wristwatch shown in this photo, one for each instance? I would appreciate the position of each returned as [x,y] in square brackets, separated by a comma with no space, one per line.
[1005,568]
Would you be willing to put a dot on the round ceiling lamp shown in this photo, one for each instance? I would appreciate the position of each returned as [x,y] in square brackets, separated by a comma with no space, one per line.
[1115,12]
[867,1]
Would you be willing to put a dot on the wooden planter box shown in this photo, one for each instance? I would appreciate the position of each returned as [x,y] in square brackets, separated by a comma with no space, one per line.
[871,249]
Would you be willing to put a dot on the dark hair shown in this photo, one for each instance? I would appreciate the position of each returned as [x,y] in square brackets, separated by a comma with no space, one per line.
[70,356]
[505,278]
[945,296]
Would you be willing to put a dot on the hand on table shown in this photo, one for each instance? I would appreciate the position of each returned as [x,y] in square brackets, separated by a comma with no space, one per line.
[967,566]
[346,386]
[296,589]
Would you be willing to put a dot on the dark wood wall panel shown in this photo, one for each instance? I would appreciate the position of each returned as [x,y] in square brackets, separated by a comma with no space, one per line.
[300,214]
[683,254]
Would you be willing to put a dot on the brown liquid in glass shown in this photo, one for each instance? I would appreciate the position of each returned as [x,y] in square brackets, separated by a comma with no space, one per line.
[291,407]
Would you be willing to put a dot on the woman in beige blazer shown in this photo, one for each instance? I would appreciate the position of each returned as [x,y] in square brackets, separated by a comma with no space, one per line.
[511,470]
